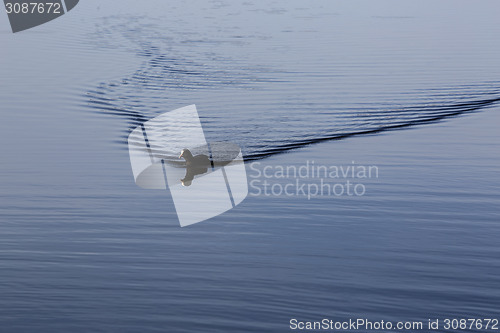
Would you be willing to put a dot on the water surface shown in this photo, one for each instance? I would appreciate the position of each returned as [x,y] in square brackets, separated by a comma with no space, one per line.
[83,248]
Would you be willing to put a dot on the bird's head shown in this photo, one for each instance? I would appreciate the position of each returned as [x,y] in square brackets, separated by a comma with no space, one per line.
[186,154]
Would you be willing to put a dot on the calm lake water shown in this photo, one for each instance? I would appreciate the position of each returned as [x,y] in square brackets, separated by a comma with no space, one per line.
[411,88]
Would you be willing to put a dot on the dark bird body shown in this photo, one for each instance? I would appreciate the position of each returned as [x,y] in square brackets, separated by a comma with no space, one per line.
[195,161]
[195,165]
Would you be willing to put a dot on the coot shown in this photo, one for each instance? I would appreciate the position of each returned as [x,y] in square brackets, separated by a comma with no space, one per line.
[194,161]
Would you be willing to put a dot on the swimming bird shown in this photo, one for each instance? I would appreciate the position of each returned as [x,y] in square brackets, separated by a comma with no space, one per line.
[194,161]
